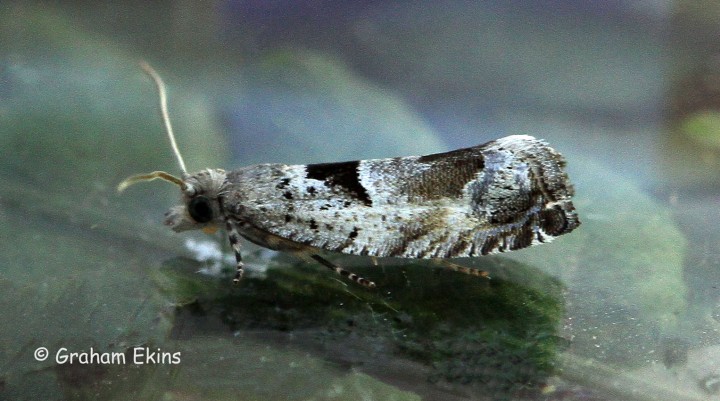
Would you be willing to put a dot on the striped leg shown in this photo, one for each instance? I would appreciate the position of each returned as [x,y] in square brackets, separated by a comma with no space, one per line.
[234,237]
[339,270]
[462,269]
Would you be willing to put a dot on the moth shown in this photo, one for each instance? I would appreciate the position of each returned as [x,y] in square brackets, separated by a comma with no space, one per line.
[507,194]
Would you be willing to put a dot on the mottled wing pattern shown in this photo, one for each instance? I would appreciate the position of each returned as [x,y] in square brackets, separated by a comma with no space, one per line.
[504,195]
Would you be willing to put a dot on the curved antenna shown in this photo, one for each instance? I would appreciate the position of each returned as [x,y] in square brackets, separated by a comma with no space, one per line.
[149,177]
[164,110]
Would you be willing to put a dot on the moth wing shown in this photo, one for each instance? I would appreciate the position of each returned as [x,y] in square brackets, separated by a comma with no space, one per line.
[504,195]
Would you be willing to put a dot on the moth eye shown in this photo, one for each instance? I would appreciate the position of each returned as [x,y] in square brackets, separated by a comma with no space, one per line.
[200,209]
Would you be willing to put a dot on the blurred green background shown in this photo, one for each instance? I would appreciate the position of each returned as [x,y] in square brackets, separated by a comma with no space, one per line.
[627,307]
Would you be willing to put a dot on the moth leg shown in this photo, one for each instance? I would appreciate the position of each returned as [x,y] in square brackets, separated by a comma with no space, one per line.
[462,269]
[234,238]
[339,270]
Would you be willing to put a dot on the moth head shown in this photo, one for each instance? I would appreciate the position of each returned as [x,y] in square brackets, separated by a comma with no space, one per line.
[200,195]
[201,207]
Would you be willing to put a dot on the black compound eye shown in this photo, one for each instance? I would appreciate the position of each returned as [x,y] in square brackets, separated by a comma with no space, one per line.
[200,209]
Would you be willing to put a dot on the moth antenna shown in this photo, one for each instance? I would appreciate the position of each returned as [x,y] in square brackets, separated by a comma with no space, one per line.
[165,115]
[149,177]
